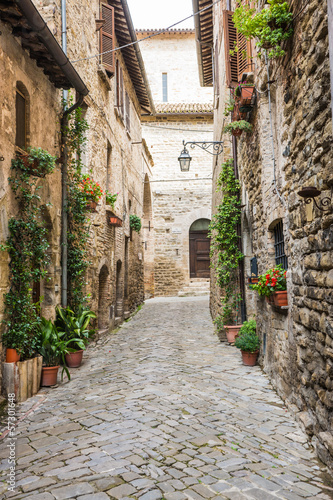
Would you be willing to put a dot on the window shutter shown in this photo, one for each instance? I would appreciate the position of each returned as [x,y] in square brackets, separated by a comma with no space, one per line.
[243,55]
[127,112]
[230,39]
[216,70]
[240,62]
[107,37]
[121,92]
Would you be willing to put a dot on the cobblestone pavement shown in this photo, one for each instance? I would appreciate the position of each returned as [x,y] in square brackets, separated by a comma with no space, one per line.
[162,409]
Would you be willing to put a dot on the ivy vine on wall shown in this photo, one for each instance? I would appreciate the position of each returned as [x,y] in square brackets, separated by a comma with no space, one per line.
[27,247]
[225,241]
[78,223]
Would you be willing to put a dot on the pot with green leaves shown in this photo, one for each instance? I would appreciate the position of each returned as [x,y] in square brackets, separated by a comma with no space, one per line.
[248,342]
[36,162]
[237,128]
[53,347]
[75,330]
[135,223]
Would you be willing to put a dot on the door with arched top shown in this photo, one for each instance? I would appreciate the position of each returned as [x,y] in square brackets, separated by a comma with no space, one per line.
[199,249]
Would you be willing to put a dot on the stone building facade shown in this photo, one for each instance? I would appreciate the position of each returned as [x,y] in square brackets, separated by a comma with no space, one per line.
[297,342]
[114,154]
[183,112]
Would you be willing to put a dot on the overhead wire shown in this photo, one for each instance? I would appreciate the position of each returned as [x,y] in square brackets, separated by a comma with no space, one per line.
[160,32]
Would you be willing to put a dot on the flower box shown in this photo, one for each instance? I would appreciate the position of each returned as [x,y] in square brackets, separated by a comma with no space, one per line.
[280,298]
[247,93]
[91,206]
[115,221]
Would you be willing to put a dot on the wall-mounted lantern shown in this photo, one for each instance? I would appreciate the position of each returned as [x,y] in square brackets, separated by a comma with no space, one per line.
[310,193]
[185,158]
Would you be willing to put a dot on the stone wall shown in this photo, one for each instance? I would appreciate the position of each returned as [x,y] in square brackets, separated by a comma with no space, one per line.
[297,342]
[115,276]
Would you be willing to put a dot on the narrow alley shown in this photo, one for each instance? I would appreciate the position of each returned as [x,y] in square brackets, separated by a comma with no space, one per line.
[162,409]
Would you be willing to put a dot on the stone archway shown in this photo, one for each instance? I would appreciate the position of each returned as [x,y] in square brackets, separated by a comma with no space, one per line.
[103,298]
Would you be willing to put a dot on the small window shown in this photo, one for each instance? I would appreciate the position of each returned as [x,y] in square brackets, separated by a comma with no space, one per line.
[165,87]
[280,256]
[119,90]
[21,120]
[108,166]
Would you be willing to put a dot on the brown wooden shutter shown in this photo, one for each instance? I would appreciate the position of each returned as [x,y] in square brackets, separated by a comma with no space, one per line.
[243,55]
[121,92]
[216,70]
[240,62]
[230,39]
[128,112]
[107,38]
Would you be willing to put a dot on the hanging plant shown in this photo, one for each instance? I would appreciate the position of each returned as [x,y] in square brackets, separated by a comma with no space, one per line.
[225,241]
[237,128]
[271,26]
[111,199]
[135,223]
[229,106]
[36,162]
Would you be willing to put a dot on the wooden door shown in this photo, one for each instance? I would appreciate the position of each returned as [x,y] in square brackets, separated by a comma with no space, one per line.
[199,254]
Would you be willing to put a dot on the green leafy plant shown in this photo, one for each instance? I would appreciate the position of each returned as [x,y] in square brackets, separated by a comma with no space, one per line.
[91,189]
[248,340]
[238,125]
[225,242]
[74,327]
[273,280]
[27,247]
[229,106]
[36,161]
[135,223]
[271,26]
[111,198]
[52,345]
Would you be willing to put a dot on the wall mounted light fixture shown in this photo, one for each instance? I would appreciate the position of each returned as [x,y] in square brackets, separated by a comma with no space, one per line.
[310,193]
[215,148]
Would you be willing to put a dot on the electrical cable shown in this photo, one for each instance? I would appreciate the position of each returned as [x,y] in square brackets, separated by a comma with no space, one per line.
[147,37]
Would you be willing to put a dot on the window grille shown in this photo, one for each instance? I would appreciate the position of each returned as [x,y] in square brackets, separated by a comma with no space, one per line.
[280,256]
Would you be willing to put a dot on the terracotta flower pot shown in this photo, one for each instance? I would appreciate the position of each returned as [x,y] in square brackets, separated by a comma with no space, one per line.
[249,358]
[12,355]
[232,332]
[237,132]
[74,359]
[32,167]
[91,206]
[280,298]
[246,95]
[49,375]
[115,221]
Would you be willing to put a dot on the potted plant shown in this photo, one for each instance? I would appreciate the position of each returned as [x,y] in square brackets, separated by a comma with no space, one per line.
[135,223]
[273,284]
[74,329]
[110,199]
[53,348]
[236,128]
[248,342]
[92,191]
[35,161]
[271,26]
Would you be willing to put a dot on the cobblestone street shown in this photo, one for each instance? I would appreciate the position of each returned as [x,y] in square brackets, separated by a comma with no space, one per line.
[162,409]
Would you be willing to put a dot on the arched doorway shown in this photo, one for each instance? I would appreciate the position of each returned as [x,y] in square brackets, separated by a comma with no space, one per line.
[103,299]
[199,249]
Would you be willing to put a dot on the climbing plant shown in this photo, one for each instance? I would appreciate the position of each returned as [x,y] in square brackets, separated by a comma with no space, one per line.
[225,241]
[27,247]
[78,223]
